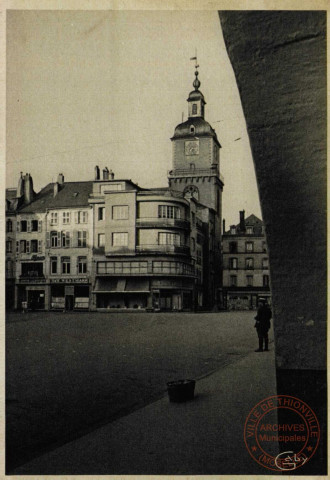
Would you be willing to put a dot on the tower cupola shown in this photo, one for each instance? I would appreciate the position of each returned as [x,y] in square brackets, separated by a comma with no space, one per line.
[196,101]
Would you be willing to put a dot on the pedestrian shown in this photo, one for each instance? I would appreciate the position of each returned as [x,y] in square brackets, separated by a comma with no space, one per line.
[263,324]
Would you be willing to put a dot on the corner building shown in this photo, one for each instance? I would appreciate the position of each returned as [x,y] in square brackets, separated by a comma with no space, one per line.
[108,244]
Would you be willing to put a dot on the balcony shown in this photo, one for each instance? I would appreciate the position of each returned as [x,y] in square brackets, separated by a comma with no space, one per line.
[149,222]
[188,172]
[163,249]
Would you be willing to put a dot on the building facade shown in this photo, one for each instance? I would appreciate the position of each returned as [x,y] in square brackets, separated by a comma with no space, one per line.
[108,244]
[245,264]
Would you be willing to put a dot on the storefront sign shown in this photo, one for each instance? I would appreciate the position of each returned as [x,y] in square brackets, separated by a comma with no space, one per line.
[69,280]
[32,280]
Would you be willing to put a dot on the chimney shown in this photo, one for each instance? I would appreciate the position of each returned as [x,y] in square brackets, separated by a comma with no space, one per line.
[20,188]
[60,179]
[96,173]
[56,188]
[242,221]
[223,226]
[28,189]
[105,173]
[112,175]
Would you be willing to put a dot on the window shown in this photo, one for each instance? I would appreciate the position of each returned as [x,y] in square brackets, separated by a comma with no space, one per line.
[168,238]
[81,217]
[194,109]
[100,215]
[82,238]
[199,257]
[54,239]
[82,264]
[101,240]
[233,230]
[120,212]
[193,218]
[34,246]
[232,247]
[66,218]
[233,263]
[249,246]
[249,263]
[53,218]
[34,225]
[66,265]
[23,226]
[193,244]
[121,267]
[9,246]
[192,129]
[265,264]
[168,211]
[22,246]
[65,239]
[9,226]
[120,239]
[264,247]
[233,280]
[249,230]
[249,280]
[265,280]
[53,265]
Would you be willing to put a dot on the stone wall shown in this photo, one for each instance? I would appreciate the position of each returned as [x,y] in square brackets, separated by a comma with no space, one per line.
[279,59]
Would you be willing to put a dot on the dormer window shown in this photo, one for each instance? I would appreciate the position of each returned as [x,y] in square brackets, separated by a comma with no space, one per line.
[192,129]
[233,230]
[194,109]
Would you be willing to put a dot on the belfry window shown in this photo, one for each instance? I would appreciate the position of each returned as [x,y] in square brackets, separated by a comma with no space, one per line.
[194,109]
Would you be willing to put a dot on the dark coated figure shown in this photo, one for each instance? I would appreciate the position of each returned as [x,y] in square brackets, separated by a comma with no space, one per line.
[263,324]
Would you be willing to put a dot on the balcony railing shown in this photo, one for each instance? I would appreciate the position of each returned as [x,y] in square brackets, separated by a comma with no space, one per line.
[163,249]
[147,222]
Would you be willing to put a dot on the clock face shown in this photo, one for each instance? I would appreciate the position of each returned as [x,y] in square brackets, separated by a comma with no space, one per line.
[191,147]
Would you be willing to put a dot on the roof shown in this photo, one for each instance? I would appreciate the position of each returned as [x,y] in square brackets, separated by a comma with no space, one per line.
[195,95]
[71,194]
[250,221]
[202,128]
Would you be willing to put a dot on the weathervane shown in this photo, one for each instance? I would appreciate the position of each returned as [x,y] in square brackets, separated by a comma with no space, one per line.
[195,58]
[196,83]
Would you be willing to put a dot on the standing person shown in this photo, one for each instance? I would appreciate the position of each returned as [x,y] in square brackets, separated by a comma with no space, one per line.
[263,324]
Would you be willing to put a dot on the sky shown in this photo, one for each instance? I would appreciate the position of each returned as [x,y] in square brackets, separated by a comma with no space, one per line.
[108,88]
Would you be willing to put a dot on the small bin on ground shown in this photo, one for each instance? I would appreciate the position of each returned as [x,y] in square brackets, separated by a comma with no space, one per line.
[181,390]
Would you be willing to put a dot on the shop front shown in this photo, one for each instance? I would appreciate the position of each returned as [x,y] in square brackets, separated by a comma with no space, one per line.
[69,294]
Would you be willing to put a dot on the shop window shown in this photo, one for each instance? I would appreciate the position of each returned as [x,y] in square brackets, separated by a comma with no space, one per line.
[9,226]
[101,213]
[249,246]
[232,247]
[53,265]
[120,239]
[101,240]
[233,263]
[82,238]
[82,264]
[249,263]
[66,265]
[120,212]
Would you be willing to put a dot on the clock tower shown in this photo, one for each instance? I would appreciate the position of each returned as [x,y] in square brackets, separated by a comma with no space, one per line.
[196,155]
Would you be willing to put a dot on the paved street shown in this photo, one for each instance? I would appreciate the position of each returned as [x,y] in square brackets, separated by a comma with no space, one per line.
[67,374]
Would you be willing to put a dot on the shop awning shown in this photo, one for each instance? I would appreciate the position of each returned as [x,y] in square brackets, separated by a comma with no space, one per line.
[137,285]
[115,285]
[105,285]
